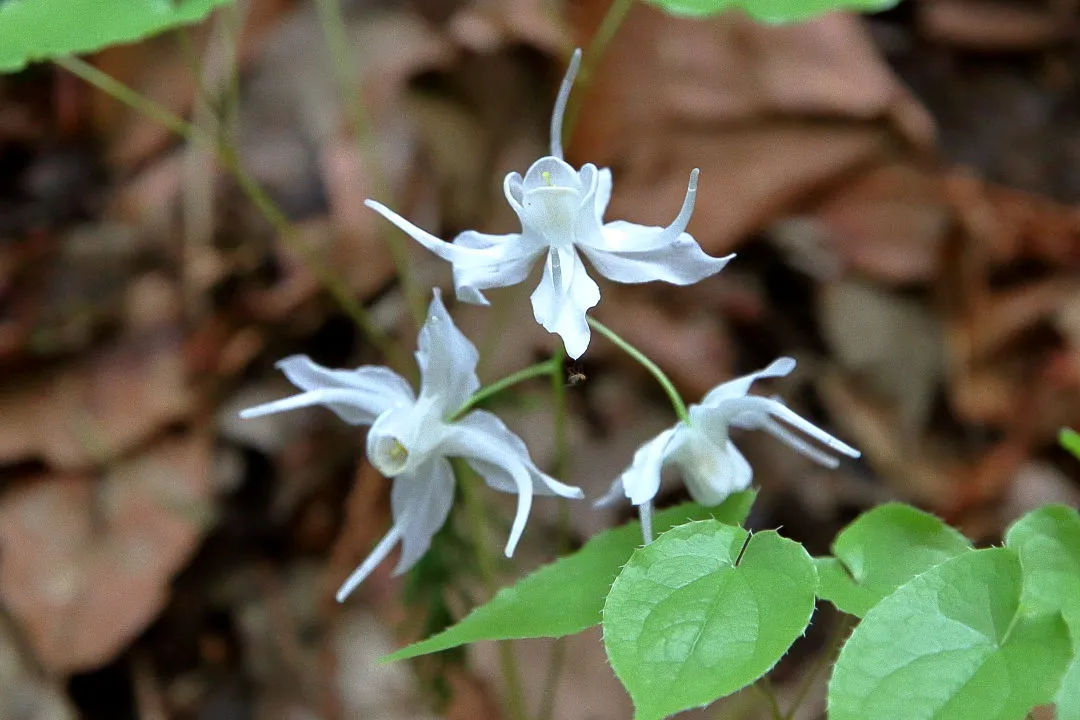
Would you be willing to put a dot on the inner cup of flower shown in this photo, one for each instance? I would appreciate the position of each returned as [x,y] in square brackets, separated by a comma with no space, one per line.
[552,211]
[389,455]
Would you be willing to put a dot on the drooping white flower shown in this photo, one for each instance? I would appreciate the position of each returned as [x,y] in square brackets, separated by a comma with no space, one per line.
[712,467]
[561,211]
[411,437]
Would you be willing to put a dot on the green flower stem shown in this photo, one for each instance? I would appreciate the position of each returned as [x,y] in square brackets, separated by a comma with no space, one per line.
[255,192]
[765,688]
[485,556]
[337,43]
[665,382]
[489,391]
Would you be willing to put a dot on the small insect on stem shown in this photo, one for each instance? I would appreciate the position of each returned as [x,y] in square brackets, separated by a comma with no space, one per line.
[575,376]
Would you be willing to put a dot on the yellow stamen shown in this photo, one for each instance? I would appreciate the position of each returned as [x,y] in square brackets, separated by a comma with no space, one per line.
[398,452]
[546,174]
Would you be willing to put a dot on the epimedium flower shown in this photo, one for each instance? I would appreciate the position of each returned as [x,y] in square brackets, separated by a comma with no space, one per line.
[561,212]
[712,467]
[411,438]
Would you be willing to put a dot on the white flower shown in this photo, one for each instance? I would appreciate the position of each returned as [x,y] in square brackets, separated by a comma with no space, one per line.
[561,211]
[712,467]
[412,437]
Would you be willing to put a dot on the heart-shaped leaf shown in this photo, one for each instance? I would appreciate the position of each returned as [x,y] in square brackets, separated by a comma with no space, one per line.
[771,11]
[880,551]
[41,29]
[1048,542]
[952,644]
[566,596]
[689,621]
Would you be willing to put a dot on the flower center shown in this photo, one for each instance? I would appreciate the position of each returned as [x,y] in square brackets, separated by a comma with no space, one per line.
[390,456]
[552,211]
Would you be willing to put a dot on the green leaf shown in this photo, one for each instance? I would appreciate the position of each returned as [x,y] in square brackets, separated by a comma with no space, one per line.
[1070,440]
[1048,542]
[880,551]
[566,596]
[769,11]
[684,625]
[41,29]
[952,644]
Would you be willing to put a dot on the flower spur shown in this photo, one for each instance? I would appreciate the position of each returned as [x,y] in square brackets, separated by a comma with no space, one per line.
[411,437]
[561,212]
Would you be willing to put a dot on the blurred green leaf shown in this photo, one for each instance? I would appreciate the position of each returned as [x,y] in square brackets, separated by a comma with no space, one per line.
[770,11]
[880,551]
[1048,541]
[1070,440]
[32,30]
[566,596]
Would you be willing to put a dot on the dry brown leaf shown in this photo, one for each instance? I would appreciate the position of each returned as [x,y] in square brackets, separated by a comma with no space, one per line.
[872,426]
[888,224]
[471,698]
[992,25]
[894,345]
[103,405]
[769,114]
[87,562]
[484,26]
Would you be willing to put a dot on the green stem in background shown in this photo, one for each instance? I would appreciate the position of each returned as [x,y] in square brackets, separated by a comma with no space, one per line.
[765,688]
[490,391]
[616,13]
[560,470]
[337,43]
[474,509]
[255,192]
[665,382]
[827,655]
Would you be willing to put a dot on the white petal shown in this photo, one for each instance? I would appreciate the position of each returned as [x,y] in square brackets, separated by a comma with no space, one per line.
[681,263]
[377,556]
[488,426]
[472,275]
[615,493]
[357,396]
[565,294]
[630,253]
[641,481]
[447,360]
[309,375]
[494,456]
[425,497]
[798,444]
[350,405]
[603,193]
[560,103]
[753,412]
[447,251]
[548,172]
[712,468]
[479,261]
[740,386]
[623,236]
